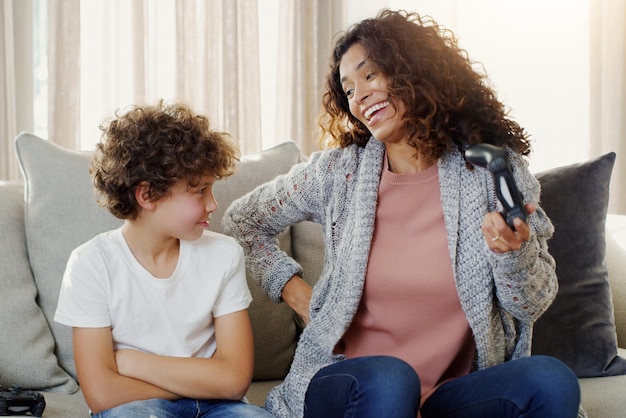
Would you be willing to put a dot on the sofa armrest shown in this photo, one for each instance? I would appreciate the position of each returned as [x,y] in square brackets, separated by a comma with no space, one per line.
[616,264]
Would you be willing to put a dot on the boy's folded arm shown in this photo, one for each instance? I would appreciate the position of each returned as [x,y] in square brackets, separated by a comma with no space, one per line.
[226,375]
[102,386]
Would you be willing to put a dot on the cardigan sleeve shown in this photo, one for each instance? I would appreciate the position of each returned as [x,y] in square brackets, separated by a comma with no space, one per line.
[256,219]
[525,279]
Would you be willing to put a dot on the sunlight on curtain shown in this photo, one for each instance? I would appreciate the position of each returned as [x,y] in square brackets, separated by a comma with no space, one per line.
[218,65]
[257,68]
[202,53]
[305,33]
[268,67]
[8,130]
[64,89]
[128,57]
[39,27]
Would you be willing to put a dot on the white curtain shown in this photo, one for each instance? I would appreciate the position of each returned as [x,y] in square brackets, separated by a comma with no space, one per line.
[306,33]
[116,53]
[8,129]
[217,71]
[104,55]
[608,91]
[64,78]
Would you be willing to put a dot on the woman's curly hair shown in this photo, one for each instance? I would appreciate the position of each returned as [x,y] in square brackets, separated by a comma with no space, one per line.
[159,145]
[448,104]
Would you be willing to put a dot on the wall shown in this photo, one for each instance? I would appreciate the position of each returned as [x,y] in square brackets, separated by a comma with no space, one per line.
[536,53]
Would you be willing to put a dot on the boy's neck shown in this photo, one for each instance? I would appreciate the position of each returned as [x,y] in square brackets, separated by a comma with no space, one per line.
[158,254]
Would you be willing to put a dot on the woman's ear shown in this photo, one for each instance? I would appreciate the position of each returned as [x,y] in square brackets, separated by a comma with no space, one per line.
[142,196]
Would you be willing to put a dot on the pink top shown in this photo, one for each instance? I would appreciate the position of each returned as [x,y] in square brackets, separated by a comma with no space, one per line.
[410,308]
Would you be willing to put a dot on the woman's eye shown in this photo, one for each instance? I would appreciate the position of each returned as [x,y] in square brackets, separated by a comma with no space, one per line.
[349,92]
[370,76]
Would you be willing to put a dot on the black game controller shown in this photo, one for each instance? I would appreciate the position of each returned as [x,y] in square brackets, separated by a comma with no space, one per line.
[493,158]
[16,401]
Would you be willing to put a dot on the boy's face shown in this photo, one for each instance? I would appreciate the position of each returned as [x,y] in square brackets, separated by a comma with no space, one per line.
[186,212]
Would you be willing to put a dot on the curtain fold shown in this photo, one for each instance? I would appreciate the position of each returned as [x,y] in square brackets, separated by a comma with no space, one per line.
[64,78]
[306,32]
[217,65]
[8,118]
[203,53]
[608,91]
[206,53]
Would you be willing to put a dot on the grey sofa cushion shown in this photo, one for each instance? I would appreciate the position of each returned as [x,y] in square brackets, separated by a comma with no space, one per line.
[579,327]
[606,397]
[61,213]
[615,260]
[64,406]
[26,347]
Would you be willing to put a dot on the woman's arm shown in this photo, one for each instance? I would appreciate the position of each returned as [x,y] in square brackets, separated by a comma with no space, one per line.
[297,294]
[524,270]
[102,386]
[226,375]
[255,219]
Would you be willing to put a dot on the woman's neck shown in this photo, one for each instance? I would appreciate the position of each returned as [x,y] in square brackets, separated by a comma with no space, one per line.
[402,160]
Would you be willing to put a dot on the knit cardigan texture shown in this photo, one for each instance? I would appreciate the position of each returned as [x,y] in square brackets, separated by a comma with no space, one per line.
[501,294]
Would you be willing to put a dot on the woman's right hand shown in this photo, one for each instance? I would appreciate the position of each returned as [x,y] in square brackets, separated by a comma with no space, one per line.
[297,294]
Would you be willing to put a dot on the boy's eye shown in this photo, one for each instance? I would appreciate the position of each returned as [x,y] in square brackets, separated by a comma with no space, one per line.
[370,76]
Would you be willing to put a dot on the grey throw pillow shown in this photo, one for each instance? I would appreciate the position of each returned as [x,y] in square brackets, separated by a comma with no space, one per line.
[61,214]
[579,327]
[26,347]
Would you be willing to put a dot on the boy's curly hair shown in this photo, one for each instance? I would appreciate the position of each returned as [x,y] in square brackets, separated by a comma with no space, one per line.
[159,145]
[448,103]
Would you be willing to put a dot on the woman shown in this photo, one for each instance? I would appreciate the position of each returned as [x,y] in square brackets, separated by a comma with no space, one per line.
[427,297]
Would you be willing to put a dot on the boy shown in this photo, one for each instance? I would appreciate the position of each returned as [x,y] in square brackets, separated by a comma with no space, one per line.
[159,306]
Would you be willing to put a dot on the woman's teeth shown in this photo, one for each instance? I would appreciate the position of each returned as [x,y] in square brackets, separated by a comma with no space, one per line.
[368,113]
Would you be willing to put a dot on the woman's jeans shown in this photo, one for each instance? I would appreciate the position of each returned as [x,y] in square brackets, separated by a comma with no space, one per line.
[192,408]
[382,386]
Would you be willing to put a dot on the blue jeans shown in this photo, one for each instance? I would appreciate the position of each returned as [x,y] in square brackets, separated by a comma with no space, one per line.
[381,386]
[182,408]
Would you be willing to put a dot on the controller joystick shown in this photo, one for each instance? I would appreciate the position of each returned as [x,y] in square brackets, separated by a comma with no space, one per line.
[493,158]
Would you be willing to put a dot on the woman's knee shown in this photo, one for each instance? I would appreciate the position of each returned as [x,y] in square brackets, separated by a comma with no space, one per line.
[556,385]
[550,370]
[381,373]
[374,384]
[393,375]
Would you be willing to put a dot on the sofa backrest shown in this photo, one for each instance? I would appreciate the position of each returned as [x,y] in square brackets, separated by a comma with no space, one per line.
[61,213]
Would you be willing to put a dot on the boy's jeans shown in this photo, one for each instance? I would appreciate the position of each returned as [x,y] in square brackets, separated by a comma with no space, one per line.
[192,408]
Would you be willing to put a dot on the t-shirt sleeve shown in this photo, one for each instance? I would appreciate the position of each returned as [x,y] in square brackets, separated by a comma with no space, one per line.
[83,300]
[235,294]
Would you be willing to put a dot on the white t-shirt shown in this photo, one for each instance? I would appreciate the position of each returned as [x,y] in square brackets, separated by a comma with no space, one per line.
[104,285]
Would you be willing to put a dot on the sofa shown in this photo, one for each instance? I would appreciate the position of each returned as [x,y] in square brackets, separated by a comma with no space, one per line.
[53,209]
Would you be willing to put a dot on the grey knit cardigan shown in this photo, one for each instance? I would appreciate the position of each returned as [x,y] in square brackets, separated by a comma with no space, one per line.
[501,294]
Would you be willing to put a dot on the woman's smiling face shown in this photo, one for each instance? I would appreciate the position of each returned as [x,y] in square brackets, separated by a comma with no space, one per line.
[368,96]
